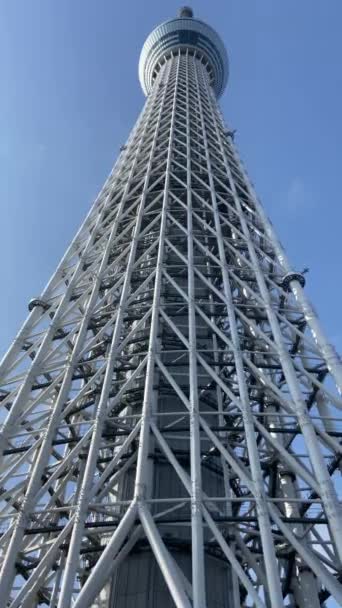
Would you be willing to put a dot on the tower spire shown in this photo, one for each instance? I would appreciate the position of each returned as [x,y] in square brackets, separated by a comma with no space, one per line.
[170,406]
[186,11]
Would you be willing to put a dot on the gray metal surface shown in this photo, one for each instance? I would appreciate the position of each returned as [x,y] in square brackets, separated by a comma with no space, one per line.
[171,407]
[189,34]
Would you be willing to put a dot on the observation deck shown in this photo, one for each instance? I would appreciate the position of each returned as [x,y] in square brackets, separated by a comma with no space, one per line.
[184,33]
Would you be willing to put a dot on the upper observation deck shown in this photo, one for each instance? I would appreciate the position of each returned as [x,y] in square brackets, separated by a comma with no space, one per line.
[184,33]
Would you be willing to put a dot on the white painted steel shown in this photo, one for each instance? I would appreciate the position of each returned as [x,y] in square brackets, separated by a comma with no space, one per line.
[168,416]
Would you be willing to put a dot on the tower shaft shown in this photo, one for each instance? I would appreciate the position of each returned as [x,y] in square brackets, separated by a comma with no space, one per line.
[170,420]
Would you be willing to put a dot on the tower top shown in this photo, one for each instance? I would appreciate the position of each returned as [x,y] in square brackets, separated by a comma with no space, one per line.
[184,33]
[186,11]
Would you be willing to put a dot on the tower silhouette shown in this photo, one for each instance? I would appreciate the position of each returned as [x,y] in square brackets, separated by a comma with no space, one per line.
[170,408]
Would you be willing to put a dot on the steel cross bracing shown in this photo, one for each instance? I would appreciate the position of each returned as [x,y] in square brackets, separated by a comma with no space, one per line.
[170,403]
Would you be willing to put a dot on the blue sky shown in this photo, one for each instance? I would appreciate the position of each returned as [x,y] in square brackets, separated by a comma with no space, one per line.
[70,95]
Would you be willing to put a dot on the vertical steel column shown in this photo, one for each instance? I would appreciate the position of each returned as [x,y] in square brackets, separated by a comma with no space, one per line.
[166,565]
[140,479]
[259,492]
[304,583]
[198,571]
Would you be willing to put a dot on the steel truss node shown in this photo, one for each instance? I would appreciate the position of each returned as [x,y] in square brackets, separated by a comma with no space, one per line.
[170,425]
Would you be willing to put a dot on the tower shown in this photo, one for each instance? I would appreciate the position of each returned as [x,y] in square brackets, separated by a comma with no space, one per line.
[170,407]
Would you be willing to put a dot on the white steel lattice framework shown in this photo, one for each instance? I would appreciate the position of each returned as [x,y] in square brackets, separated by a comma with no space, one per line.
[170,420]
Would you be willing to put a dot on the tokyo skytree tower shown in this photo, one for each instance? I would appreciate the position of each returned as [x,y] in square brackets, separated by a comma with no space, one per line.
[170,408]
